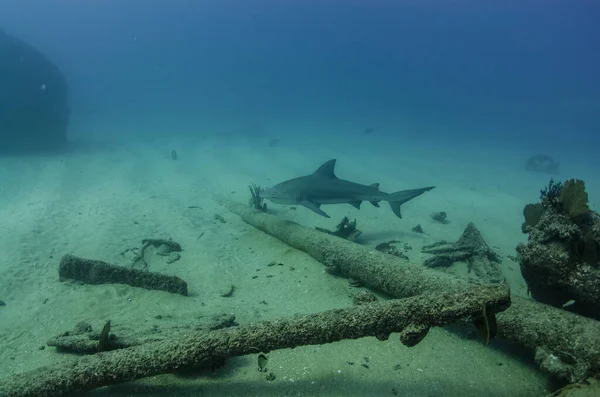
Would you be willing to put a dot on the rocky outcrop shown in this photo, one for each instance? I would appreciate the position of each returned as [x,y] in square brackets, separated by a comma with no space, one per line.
[561,260]
[34,110]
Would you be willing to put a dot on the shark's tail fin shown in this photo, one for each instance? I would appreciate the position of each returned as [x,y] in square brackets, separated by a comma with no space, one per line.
[398,198]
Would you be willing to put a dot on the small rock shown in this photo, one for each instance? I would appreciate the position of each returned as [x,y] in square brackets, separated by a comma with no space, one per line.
[220,218]
[418,229]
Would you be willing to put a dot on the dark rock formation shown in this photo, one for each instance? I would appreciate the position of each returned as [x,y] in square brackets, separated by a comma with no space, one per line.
[34,110]
[561,260]
[542,163]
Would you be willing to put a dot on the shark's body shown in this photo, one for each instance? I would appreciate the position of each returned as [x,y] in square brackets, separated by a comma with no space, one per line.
[323,187]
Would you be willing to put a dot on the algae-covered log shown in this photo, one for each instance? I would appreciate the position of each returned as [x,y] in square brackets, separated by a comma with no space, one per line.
[200,348]
[573,339]
[97,272]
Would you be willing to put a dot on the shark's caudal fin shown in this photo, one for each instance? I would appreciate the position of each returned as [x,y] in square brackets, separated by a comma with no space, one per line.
[399,198]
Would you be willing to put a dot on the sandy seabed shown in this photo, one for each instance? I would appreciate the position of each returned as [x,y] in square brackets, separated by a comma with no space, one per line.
[99,200]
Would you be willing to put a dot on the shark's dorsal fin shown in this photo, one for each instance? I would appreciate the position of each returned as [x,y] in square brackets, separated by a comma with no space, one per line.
[327,170]
[375,185]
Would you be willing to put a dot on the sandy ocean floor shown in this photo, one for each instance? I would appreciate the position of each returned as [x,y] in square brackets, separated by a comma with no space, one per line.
[99,200]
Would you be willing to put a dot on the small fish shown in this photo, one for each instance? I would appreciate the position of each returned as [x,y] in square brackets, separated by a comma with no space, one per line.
[262,362]
[568,303]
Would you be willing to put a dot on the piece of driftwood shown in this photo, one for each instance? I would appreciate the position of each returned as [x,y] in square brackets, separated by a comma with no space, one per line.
[471,248]
[572,340]
[412,317]
[91,271]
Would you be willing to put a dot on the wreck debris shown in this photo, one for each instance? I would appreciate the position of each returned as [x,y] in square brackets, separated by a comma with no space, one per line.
[83,340]
[390,248]
[345,229]
[201,348]
[471,248]
[167,248]
[574,341]
[561,260]
[91,271]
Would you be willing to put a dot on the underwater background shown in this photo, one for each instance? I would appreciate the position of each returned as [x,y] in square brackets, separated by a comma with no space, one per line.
[177,104]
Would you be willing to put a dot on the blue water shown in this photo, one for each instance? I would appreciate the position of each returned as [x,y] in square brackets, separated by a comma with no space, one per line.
[467,82]
[520,74]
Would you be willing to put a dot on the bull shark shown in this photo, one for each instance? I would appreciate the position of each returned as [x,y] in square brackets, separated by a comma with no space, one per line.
[323,187]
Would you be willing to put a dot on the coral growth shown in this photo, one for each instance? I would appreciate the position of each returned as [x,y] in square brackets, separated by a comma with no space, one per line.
[574,198]
[256,201]
[561,260]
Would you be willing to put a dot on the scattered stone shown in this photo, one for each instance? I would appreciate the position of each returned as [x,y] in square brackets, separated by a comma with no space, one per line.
[440,217]
[418,229]
[220,218]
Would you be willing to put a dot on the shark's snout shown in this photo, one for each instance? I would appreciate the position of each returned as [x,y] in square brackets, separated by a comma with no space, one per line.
[276,195]
[268,193]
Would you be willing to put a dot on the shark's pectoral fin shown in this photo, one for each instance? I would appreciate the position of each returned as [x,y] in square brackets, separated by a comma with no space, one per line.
[355,204]
[314,207]
[375,203]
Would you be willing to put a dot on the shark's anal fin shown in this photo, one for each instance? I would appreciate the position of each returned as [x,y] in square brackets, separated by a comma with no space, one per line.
[355,204]
[314,207]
